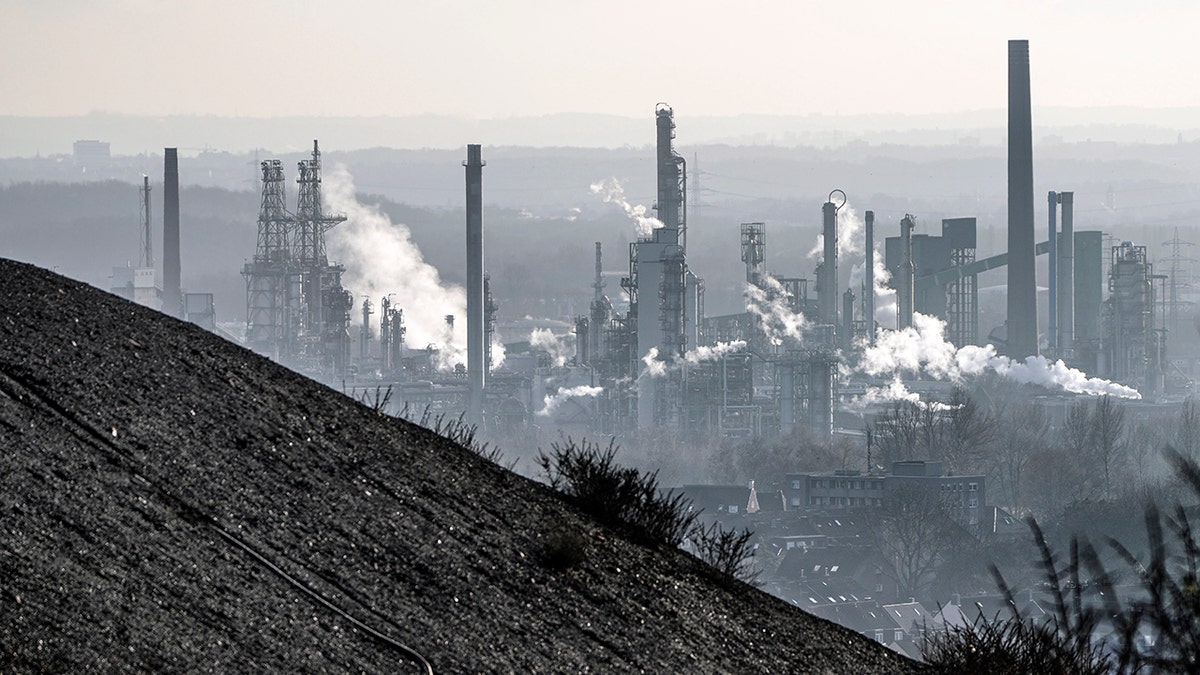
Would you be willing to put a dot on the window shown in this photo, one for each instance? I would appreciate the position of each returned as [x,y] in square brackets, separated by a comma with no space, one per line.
[972,503]
[795,485]
[879,636]
[899,635]
[973,487]
[733,508]
[795,501]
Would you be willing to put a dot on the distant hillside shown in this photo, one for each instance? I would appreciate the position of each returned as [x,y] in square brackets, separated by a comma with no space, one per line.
[172,502]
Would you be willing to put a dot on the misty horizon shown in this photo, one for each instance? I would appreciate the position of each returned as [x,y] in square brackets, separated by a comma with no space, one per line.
[134,134]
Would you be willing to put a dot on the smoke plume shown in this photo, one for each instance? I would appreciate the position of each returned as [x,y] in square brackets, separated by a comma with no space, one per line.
[654,366]
[545,340]
[922,348]
[892,391]
[770,305]
[850,236]
[381,258]
[705,353]
[498,351]
[612,192]
[551,403]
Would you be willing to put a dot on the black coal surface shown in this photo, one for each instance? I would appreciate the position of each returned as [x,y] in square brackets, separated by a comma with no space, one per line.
[172,502]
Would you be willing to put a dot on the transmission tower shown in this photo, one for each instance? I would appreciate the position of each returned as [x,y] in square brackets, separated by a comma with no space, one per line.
[1181,277]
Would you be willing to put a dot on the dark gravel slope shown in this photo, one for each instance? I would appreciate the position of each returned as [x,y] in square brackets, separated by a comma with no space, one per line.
[144,461]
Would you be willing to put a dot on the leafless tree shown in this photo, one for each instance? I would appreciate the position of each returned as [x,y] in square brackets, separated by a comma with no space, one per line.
[913,531]
[1023,434]
[956,432]
[968,431]
[898,433]
[1076,439]
[1187,430]
[1051,479]
[1108,447]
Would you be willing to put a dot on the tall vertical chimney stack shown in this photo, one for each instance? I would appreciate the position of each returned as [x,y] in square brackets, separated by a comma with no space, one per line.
[869,284]
[476,368]
[172,285]
[827,293]
[147,233]
[1066,276]
[1052,301]
[1022,279]
[905,305]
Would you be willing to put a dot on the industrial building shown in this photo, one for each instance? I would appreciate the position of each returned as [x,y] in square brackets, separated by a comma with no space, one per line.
[297,311]
[964,495]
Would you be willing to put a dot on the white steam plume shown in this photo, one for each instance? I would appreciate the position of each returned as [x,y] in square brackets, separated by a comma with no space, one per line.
[381,258]
[892,391]
[498,351]
[546,340]
[551,403]
[770,305]
[705,353]
[612,192]
[654,367]
[850,233]
[922,347]
[885,298]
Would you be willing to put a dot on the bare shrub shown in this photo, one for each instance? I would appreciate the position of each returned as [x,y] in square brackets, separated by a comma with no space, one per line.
[729,552]
[589,476]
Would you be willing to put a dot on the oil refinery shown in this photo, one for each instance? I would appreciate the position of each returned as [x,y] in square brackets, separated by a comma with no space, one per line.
[878,310]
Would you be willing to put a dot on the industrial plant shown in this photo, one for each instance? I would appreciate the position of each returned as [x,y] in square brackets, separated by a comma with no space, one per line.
[815,348]
[647,359]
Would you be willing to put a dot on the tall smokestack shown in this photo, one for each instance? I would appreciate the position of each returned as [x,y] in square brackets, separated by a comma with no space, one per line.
[1066,275]
[1052,314]
[827,292]
[476,368]
[1022,280]
[908,276]
[869,284]
[147,233]
[172,286]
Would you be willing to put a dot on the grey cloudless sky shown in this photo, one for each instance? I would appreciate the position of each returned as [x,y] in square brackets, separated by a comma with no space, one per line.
[500,58]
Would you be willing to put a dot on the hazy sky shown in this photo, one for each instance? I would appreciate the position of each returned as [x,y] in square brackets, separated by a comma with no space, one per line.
[501,58]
